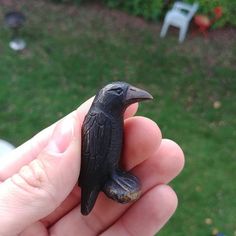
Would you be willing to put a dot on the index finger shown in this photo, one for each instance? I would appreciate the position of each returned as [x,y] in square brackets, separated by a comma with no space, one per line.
[31,149]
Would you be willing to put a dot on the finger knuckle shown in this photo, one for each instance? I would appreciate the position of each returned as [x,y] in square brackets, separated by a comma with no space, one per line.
[34,174]
[33,179]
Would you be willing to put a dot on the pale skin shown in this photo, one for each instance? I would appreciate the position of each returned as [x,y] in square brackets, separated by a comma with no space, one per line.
[38,182]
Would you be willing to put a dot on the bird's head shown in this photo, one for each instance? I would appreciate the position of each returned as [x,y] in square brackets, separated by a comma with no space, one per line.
[117,96]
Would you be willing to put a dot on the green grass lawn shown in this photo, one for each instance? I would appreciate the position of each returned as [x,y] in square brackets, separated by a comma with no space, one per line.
[73,51]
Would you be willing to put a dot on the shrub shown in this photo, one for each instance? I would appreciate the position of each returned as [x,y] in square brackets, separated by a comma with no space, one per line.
[155,9]
[150,9]
[228,9]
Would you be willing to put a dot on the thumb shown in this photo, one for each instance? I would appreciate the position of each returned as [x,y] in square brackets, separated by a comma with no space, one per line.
[42,185]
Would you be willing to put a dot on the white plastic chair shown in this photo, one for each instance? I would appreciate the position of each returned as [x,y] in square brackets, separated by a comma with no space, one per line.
[179,16]
[5,147]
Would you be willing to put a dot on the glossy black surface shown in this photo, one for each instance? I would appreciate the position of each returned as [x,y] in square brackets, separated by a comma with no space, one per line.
[102,140]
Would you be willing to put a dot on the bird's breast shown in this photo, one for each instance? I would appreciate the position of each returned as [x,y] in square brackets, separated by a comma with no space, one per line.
[116,142]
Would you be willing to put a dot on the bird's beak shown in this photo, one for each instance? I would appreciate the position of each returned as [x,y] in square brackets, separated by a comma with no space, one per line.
[135,95]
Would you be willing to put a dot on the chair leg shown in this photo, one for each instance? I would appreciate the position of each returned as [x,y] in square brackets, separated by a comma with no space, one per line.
[164,29]
[182,33]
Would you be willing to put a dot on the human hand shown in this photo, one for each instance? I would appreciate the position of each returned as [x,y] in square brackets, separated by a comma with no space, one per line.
[39,195]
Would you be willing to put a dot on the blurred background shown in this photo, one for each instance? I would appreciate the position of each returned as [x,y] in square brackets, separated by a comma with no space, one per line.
[75,47]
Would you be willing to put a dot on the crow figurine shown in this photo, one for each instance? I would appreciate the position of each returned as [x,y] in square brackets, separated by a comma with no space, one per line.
[102,140]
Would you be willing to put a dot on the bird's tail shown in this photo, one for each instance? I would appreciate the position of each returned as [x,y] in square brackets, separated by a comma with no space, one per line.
[88,199]
[123,187]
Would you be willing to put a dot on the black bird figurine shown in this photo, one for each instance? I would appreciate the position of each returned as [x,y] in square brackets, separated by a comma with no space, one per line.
[102,140]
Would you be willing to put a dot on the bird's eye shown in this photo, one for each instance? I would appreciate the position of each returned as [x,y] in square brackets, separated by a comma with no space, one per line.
[117,90]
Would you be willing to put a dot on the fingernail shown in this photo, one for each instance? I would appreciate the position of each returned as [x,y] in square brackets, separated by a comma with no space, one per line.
[62,135]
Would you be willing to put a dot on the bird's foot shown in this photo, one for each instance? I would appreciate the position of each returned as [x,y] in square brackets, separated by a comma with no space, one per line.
[123,187]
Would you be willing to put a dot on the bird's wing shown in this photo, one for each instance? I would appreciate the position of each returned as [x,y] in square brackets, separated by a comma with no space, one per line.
[96,144]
